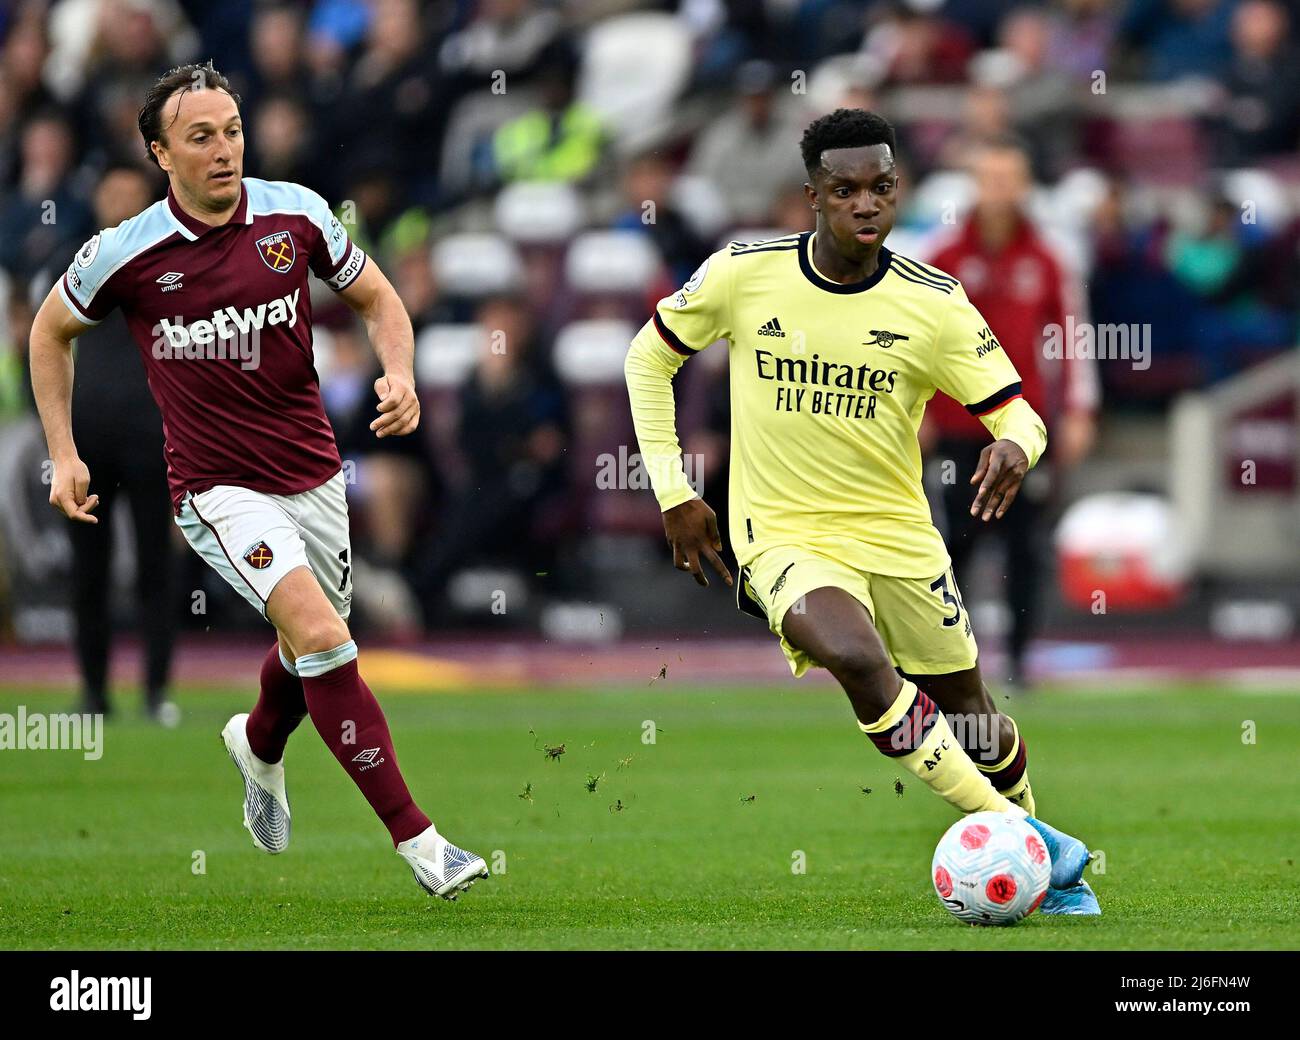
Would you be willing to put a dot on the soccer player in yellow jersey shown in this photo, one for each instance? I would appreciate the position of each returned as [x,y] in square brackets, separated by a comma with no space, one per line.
[836,343]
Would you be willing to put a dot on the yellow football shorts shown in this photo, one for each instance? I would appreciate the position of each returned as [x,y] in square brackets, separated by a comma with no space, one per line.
[922,621]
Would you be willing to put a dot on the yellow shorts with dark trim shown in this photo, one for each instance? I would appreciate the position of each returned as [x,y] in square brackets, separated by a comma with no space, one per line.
[922,621]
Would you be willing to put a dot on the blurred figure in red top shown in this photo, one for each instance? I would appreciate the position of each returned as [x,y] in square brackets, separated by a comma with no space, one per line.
[1011,275]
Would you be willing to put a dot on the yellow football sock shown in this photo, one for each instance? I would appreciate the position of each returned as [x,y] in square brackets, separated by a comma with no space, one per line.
[937,759]
[1021,794]
[1010,775]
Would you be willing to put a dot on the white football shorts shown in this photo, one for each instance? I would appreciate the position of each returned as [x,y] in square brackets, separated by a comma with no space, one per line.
[253,539]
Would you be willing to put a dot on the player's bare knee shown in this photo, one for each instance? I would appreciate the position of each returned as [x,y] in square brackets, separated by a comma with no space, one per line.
[319,635]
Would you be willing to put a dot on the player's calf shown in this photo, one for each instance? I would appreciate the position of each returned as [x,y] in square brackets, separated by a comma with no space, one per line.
[1009,775]
[914,732]
[903,722]
[350,721]
[990,737]
[280,707]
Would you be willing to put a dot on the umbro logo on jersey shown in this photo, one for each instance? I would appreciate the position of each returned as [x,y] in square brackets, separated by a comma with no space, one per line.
[369,758]
[171,281]
[884,338]
[771,327]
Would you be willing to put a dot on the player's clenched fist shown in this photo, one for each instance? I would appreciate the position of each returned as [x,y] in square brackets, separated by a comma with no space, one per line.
[399,406]
[692,531]
[69,491]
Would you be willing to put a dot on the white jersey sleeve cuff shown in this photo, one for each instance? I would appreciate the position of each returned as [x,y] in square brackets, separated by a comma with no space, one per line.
[78,311]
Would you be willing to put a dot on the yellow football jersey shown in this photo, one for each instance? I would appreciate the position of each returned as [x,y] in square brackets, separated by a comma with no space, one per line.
[828,386]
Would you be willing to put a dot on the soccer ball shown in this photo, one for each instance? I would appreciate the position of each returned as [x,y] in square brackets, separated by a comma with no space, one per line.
[991,868]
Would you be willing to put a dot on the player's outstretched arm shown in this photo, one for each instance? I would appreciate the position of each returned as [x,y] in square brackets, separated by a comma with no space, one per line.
[373,297]
[53,331]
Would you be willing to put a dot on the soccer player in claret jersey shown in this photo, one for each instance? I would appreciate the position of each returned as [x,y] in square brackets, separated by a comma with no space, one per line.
[836,344]
[213,284]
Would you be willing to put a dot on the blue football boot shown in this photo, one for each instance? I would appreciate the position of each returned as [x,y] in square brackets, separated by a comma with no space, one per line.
[1068,855]
[1076,901]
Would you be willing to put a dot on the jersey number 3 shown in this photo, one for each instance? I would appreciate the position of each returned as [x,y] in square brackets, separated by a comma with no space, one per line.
[951,598]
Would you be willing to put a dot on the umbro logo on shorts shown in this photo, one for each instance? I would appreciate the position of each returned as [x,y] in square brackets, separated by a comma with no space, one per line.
[772,327]
[884,338]
[259,557]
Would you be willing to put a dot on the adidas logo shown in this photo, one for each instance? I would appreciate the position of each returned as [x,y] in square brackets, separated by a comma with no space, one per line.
[771,328]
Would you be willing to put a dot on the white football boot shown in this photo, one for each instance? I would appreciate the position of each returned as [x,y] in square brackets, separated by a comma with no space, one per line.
[440,868]
[266,806]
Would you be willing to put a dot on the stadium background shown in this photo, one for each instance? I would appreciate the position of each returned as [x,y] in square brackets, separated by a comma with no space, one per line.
[539,174]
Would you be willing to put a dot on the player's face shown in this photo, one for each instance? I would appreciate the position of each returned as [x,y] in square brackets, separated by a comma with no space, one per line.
[856,195]
[204,150]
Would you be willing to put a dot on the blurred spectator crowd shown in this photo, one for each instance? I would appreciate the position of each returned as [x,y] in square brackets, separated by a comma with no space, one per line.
[533,176]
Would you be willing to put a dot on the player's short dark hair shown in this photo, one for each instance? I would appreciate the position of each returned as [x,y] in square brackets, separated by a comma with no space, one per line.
[184,77]
[844,128]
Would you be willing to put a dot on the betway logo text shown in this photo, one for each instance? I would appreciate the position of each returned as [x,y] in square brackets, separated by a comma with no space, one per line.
[229,335]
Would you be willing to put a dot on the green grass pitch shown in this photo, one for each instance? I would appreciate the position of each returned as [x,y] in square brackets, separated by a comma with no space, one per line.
[689,842]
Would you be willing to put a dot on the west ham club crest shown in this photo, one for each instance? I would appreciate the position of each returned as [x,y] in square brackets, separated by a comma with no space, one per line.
[259,557]
[277,251]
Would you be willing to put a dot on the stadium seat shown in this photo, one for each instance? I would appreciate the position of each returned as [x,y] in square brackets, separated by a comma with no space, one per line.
[539,212]
[700,201]
[1271,206]
[839,75]
[658,47]
[445,355]
[590,353]
[943,194]
[611,263]
[1074,199]
[477,264]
